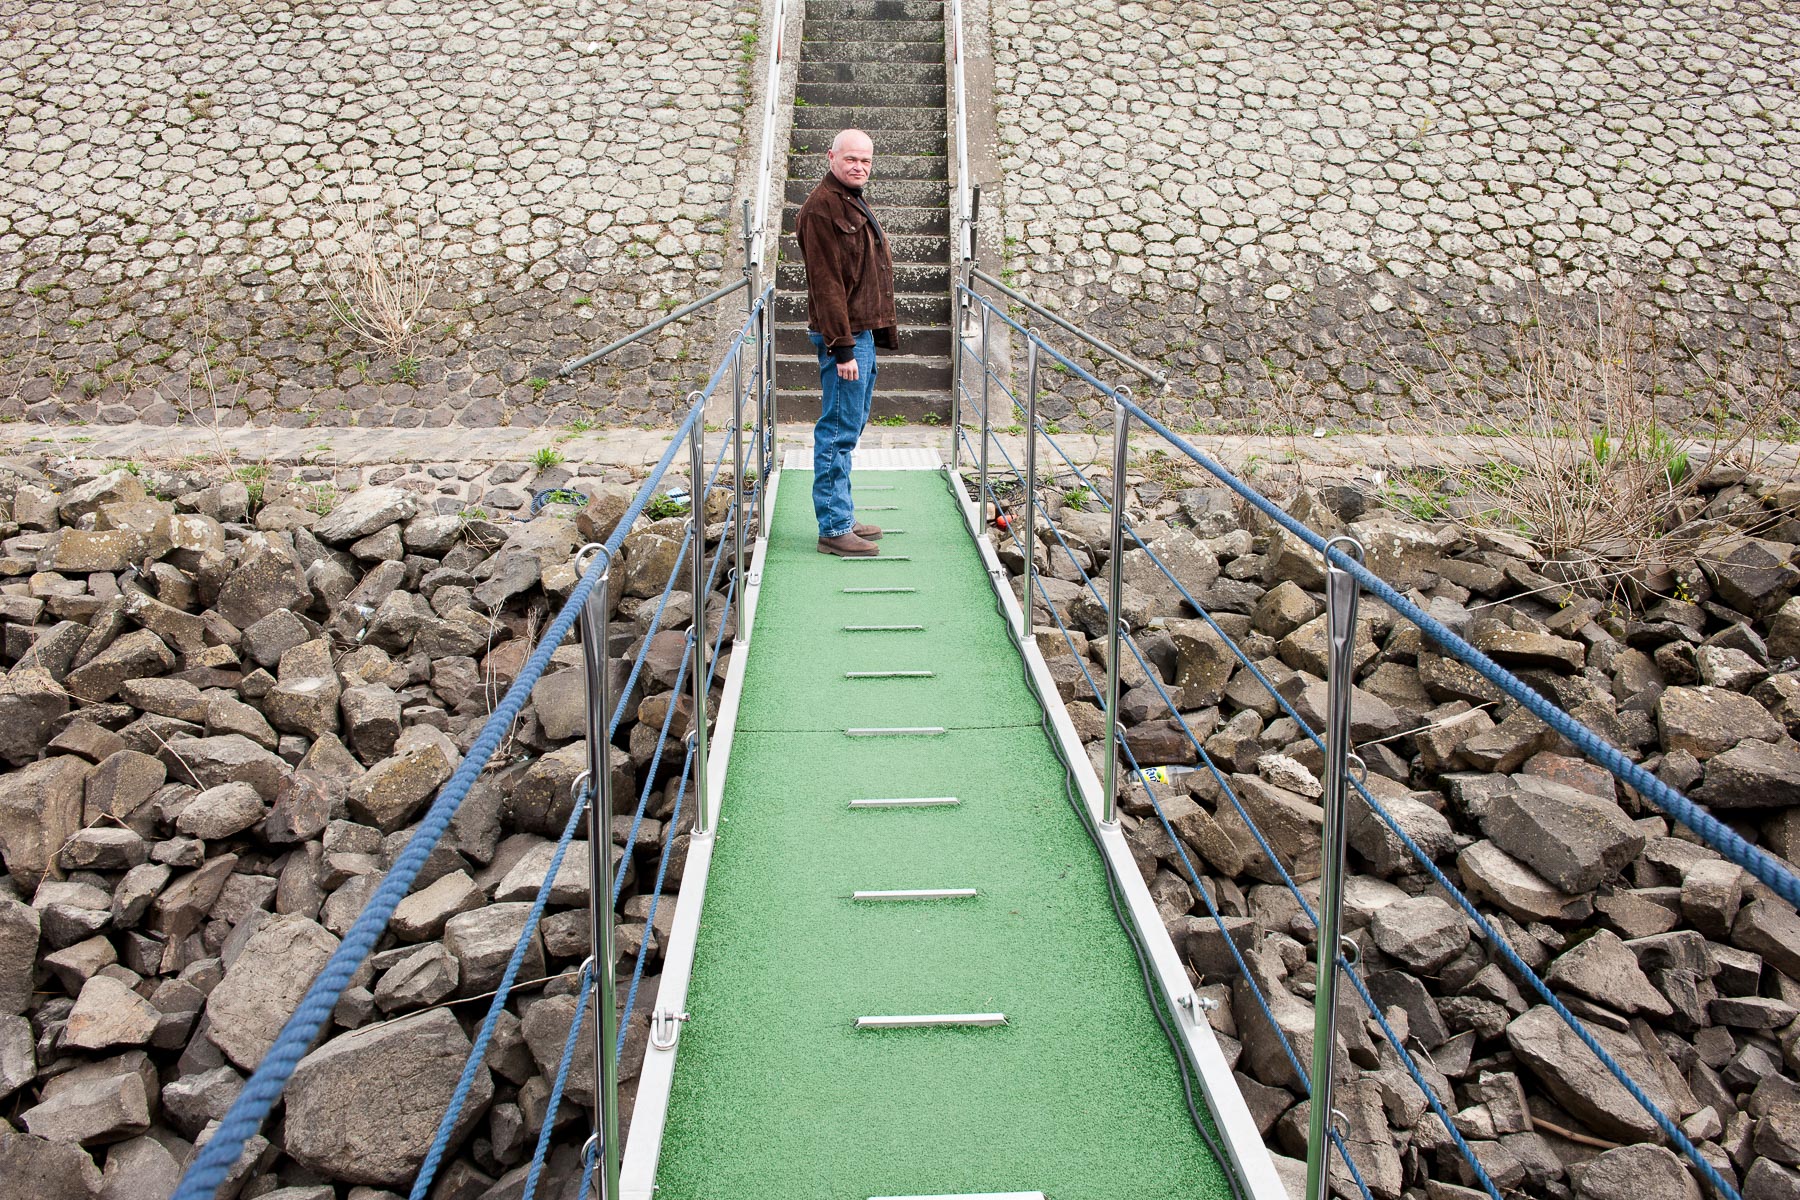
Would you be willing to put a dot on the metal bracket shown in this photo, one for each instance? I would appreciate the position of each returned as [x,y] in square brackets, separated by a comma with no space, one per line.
[665,1028]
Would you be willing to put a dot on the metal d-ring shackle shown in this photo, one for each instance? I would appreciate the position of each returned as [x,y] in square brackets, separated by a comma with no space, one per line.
[1341,591]
[1115,620]
[599,830]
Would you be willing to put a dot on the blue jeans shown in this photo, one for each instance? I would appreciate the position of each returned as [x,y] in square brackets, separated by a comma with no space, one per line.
[843,411]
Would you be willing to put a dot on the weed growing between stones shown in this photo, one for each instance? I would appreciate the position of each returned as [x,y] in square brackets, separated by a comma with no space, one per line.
[1590,470]
[382,261]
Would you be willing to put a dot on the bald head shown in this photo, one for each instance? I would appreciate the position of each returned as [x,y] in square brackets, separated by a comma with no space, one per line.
[852,157]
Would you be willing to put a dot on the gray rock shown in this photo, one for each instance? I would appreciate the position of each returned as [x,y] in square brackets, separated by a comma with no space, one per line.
[194,1101]
[140,1169]
[19,926]
[40,808]
[18,1054]
[1575,840]
[31,700]
[560,701]
[1371,837]
[122,783]
[114,487]
[267,577]
[1186,557]
[303,803]
[1641,1172]
[98,1102]
[1769,1180]
[363,512]
[371,719]
[1401,552]
[1753,774]
[264,985]
[1283,609]
[228,758]
[265,641]
[1753,575]
[1577,1080]
[219,812]
[392,790]
[133,655]
[1770,928]
[1604,969]
[227,716]
[483,941]
[98,848]
[1490,873]
[178,910]
[423,977]
[363,1107]
[107,1013]
[545,1025]
[305,700]
[422,915]
[38,1168]
[1706,721]
[1423,932]
[527,875]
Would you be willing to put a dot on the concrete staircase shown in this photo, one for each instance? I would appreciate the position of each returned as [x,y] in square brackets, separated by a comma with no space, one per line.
[877,65]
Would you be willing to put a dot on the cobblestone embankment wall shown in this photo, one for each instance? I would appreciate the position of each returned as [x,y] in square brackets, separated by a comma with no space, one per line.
[170,168]
[1304,208]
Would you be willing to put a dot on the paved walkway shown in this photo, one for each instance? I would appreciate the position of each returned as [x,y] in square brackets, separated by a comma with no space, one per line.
[639,448]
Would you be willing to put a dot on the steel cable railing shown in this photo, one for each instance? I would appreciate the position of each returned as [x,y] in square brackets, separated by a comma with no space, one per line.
[1721,838]
[265,1086]
[1199,886]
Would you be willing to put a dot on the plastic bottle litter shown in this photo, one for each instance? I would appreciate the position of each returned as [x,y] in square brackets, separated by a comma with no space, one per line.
[1165,775]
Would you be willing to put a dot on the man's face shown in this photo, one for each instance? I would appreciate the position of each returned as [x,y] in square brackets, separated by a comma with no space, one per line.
[852,161]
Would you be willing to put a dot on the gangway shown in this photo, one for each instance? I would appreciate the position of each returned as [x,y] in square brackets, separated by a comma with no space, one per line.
[900,967]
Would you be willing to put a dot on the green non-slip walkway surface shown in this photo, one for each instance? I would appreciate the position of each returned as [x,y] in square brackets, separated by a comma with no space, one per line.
[776,1095]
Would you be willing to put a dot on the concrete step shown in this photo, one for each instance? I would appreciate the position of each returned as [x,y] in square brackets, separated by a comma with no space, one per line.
[911,309]
[884,193]
[900,370]
[820,71]
[876,10]
[895,221]
[875,51]
[875,120]
[907,248]
[913,408]
[928,278]
[870,30]
[791,341]
[917,141]
[888,167]
[902,95]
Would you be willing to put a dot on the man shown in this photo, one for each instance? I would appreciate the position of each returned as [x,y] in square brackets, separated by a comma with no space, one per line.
[849,312]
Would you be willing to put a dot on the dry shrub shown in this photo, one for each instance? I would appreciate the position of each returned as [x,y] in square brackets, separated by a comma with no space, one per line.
[382,261]
[1601,484]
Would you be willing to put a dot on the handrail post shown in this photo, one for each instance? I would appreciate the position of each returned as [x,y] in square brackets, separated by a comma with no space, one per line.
[956,357]
[987,375]
[1340,622]
[1030,530]
[697,664]
[1115,622]
[737,474]
[604,980]
[764,358]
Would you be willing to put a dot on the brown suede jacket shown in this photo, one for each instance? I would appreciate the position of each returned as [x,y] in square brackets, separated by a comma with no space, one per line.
[849,269]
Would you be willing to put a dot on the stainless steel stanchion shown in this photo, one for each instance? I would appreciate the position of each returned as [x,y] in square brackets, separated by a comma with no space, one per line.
[600,913]
[765,360]
[1340,623]
[697,664]
[1115,621]
[737,470]
[1029,532]
[987,375]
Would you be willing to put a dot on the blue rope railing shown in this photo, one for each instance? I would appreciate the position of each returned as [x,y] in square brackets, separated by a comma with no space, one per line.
[267,1083]
[1670,801]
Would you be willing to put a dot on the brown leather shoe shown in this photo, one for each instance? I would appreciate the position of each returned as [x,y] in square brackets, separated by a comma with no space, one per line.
[848,545]
[868,533]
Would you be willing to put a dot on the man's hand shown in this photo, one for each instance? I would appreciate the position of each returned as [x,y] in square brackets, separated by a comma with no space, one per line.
[847,371]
